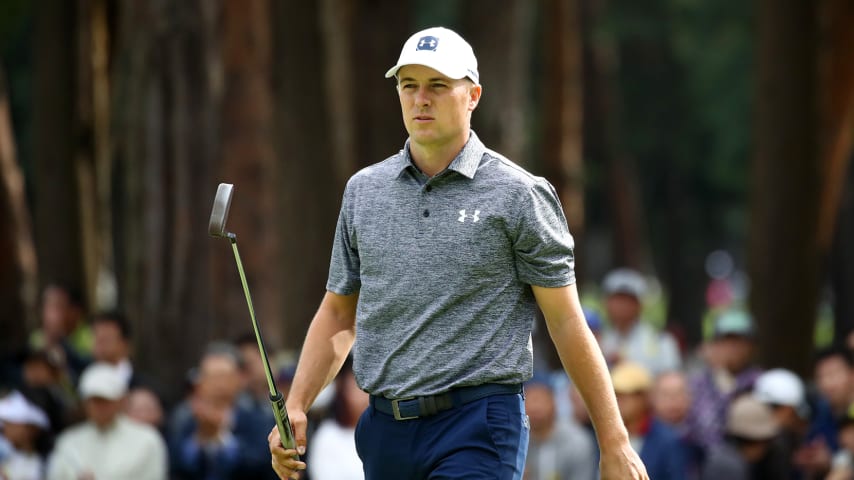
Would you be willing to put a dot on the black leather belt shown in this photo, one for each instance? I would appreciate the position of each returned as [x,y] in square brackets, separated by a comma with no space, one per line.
[415,407]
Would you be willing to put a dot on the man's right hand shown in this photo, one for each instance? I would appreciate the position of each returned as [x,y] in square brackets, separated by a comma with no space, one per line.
[285,463]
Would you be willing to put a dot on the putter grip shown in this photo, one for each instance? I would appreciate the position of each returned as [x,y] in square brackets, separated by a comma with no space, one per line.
[283,424]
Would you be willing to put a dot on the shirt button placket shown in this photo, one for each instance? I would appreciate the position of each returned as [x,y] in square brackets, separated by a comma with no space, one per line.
[426,212]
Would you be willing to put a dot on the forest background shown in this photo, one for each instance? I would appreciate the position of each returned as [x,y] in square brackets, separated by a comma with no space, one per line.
[706,143]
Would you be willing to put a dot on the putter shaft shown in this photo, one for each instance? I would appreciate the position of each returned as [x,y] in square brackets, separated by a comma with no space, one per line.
[283,424]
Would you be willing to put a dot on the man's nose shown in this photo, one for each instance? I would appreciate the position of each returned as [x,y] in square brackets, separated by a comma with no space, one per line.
[422,98]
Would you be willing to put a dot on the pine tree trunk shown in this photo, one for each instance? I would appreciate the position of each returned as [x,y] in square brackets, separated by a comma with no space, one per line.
[18,281]
[56,214]
[783,250]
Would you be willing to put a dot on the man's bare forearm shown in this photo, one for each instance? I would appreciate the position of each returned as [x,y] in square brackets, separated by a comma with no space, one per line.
[590,375]
[583,361]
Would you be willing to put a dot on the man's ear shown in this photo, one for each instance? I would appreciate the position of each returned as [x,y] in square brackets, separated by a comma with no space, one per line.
[474,96]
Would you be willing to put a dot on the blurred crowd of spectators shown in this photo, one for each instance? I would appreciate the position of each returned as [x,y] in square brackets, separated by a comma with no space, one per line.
[708,414]
[72,406]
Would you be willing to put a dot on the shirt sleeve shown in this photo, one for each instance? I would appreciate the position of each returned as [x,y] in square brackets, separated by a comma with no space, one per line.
[344,277]
[542,243]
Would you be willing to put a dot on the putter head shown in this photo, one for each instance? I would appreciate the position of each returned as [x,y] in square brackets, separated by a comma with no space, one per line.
[219,213]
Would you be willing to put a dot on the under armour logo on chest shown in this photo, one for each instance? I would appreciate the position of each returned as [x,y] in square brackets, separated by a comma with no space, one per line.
[474,218]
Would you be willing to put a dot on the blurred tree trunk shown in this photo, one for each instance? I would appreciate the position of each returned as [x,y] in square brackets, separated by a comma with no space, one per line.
[380,27]
[92,153]
[193,108]
[605,144]
[841,264]
[562,107]
[18,281]
[836,90]
[248,160]
[334,114]
[502,119]
[56,217]
[786,185]
[167,135]
[836,211]
[305,147]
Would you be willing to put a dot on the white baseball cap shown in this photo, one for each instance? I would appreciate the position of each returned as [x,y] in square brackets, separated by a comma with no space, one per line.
[442,50]
[625,281]
[15,408]
[104,381]
[782,387]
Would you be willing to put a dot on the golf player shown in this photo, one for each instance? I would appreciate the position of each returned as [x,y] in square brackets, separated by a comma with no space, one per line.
[441,256]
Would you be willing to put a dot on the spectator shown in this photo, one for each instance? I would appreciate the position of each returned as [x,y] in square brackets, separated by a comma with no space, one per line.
[333,451]
[729,372]
[22,424]
[834,378]
[112,345]
[746,453]
[628,337]
[108,445]
[594,322]
[671,402]
[211,436]
[255,395]
[659,446]
[671,398]
[144,406]
[557,448]
[63,327]
[42,372]
[257,391]
[784,393]
[843,460]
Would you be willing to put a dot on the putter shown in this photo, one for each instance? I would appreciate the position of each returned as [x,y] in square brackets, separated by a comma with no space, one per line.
[216,228]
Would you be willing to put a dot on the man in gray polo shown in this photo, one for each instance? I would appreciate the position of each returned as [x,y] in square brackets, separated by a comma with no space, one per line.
[441,256]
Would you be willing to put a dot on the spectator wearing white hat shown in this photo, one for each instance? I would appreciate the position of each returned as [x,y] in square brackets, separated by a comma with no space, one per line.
[107,445]
[783,391]
[21,423]
[628,337]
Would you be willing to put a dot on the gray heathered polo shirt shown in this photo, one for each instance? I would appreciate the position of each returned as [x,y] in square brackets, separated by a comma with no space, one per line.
[443,267]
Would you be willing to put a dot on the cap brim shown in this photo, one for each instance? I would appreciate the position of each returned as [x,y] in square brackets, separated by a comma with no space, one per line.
[392,71]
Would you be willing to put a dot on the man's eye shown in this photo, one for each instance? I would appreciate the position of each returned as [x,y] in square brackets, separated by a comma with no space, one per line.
[439,85]
[407,86]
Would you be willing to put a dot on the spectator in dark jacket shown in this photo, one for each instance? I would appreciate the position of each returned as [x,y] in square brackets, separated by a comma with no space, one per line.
[660,448]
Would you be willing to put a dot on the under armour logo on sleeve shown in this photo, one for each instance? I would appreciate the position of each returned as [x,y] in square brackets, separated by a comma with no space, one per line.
[474,218]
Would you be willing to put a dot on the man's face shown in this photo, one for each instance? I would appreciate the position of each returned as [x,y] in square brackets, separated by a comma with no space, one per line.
[633,406]
[109,345]
[55,308]
[735,352]
[102,411]
[436,109]
[540,407]
[671,398]
[623,309]
[833,378]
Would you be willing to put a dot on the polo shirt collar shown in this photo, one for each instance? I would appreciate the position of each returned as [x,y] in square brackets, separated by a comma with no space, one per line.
[465,163]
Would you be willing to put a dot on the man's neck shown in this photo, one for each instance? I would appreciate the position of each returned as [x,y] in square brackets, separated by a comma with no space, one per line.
[432,159]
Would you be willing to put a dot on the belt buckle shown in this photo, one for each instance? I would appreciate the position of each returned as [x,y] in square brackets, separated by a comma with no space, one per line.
[396,408]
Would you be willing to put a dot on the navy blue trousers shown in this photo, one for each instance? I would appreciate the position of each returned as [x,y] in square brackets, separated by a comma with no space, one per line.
[484,439]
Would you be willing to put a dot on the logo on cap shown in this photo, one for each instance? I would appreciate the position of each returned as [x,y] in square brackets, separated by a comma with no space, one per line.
[427,43]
